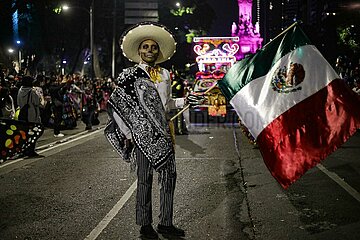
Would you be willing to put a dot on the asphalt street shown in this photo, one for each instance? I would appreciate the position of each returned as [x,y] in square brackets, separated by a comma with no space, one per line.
[82,190]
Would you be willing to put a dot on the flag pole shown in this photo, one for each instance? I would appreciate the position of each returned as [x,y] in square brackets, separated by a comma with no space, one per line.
[283,32]
[188,106]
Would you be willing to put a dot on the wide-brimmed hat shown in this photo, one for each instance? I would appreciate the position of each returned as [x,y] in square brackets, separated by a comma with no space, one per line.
[135,35]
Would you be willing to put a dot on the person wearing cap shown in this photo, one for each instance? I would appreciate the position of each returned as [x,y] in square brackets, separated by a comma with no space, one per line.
[138,128]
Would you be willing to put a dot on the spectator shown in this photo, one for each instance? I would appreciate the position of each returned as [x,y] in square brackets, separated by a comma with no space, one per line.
[57,95]
[88,109]
[27,95]
[39,91]
[7,106]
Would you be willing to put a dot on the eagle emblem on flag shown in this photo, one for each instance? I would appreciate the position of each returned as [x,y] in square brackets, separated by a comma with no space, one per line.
[286,80]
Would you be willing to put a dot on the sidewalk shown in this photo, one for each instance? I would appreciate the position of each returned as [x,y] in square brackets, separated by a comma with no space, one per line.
[48,135]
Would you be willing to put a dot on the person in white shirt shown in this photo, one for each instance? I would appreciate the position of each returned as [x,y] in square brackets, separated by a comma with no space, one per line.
[138,126]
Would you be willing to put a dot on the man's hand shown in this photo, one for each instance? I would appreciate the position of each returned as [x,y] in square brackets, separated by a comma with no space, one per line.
[194,99]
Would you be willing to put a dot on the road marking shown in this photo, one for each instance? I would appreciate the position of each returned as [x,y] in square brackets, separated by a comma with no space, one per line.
[113,212]
[7,163]
[340,181]
[61,140]
[69,141]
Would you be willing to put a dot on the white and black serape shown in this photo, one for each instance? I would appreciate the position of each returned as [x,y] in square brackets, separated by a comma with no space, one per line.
[137,101]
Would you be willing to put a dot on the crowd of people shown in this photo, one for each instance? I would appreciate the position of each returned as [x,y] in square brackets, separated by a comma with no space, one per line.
[64,99]
[349,70]
[51,101]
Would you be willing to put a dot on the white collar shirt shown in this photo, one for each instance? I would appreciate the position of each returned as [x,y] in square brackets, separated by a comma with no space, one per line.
[164,90]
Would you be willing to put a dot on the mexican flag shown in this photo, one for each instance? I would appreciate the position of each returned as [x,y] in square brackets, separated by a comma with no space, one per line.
[293,103]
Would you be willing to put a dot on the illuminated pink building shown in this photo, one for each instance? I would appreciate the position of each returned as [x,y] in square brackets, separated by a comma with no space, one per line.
[249,35]
[216,55]
[220,53]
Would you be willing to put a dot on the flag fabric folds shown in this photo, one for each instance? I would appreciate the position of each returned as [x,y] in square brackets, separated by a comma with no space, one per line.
[293,103]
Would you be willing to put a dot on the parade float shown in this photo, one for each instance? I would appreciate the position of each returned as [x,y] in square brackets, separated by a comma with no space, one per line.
[215,55]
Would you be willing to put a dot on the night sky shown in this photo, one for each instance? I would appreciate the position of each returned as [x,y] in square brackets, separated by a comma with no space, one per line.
[227,13]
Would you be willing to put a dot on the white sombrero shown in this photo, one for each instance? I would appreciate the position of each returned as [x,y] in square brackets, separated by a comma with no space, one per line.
[131,39]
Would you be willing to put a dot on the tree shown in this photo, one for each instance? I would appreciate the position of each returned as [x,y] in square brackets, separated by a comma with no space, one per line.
[349,37]
[192,18]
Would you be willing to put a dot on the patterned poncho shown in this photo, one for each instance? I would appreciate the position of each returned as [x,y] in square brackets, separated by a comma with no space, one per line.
[137,101]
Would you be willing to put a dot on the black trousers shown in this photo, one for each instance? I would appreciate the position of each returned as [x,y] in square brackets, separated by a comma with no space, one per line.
[58,111]
[144,189]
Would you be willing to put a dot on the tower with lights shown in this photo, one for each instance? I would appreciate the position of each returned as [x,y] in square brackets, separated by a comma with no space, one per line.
[249,34]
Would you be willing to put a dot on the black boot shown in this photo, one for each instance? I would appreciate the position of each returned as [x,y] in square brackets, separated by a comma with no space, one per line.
[148,232]
[170,230]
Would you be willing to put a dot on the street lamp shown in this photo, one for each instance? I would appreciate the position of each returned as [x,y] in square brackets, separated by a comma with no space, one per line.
[11,51]
[18,42]
[63,67]
[90,12]
[113,60]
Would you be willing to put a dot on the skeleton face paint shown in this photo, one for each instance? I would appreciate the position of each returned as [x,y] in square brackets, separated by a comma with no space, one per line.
[149,51]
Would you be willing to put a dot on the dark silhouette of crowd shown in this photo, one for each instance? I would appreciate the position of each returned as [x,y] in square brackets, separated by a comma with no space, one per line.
[64,99]
[349,70]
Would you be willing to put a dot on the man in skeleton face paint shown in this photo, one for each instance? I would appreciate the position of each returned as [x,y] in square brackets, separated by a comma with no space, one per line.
[139,123]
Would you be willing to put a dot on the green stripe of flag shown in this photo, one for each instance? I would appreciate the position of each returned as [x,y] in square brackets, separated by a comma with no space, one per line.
[259,64]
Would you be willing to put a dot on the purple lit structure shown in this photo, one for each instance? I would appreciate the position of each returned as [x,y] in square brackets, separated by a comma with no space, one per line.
[249,35]
[216,55]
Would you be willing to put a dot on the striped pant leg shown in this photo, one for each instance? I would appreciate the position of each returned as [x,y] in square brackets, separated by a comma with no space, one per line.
[167,188]
[144,189]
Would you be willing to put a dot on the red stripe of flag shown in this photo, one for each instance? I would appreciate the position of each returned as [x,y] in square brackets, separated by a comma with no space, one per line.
[309,131]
